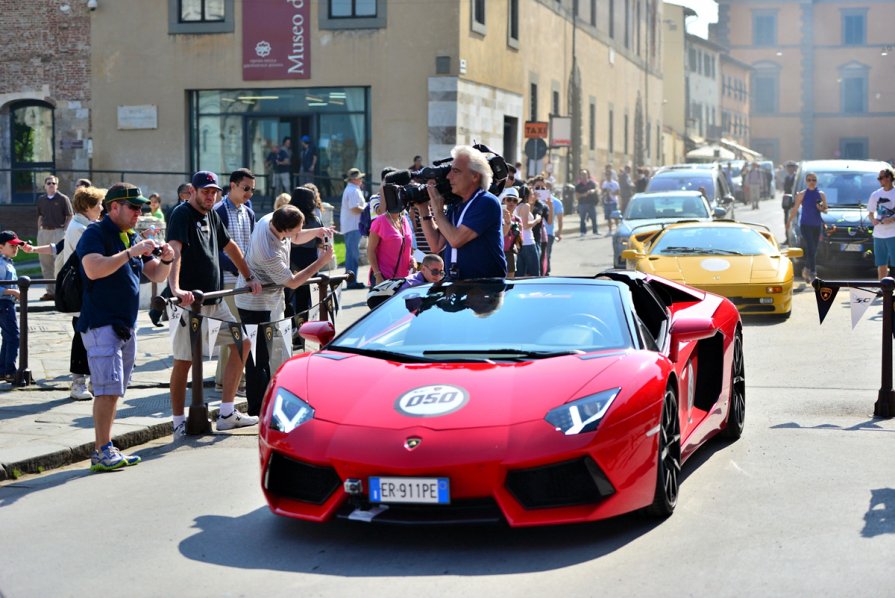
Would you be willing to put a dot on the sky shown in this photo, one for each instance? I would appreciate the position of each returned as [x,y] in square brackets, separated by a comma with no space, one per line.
[707,12]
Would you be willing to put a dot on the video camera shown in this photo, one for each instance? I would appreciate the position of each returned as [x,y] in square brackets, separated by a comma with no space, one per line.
[402,189]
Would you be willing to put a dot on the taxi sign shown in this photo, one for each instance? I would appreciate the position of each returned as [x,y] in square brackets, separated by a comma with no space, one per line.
[536,130]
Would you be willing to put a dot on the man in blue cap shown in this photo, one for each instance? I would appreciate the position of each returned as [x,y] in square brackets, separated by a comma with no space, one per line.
[308,161]
[197,235]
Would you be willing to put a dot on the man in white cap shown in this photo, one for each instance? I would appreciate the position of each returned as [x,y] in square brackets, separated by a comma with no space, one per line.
[353,204]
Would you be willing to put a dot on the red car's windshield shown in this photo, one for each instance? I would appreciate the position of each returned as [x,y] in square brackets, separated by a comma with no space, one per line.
[482,318]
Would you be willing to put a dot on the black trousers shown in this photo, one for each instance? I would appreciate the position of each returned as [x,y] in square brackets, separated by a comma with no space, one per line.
[78,360]
[257,370]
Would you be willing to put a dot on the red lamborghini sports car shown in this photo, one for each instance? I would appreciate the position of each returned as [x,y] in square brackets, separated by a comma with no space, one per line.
[529,402]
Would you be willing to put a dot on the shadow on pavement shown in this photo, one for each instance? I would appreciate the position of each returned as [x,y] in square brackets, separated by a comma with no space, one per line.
[880,516]
[350,549]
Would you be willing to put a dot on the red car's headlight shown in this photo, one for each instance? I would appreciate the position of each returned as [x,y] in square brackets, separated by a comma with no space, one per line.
[288,411]
[582,415]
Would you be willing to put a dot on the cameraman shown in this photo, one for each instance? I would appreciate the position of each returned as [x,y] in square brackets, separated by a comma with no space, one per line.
[470,232]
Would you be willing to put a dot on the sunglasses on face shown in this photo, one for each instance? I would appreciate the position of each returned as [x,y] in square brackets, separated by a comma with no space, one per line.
[436,272]
[247,189]
[882,177]
[131,206]
[811,180]
[512,201]
[50,183]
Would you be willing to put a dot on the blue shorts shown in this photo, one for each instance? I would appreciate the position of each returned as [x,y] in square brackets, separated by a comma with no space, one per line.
[884,251]
[111,360]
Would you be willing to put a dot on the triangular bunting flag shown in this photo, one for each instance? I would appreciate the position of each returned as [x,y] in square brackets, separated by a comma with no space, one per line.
[175,319]
[236,335]
[252,335]
[195,324]
[825,296]
[268,331]
[860,300]
[284,327]
[213,326]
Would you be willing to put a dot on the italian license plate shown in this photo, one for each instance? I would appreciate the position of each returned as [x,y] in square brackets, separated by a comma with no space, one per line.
[426,491]
[850,247]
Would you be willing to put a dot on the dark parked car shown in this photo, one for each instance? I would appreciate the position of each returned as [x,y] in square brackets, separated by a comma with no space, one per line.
[847,236]
[690,177]
[656,210]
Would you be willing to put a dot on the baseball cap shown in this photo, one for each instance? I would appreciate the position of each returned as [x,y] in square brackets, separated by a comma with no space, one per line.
[131,195]
[8,236]
[205,178]
[374,202]
[355,173]
[306,138]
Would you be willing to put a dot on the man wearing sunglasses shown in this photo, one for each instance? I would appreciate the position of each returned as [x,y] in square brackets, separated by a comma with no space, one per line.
[54,212]
[197,236]
[112,258]
[235,210]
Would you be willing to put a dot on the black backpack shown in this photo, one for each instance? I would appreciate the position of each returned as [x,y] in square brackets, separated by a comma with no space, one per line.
[70,285]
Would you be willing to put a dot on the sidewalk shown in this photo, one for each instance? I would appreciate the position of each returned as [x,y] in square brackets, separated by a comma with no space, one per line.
[42,428]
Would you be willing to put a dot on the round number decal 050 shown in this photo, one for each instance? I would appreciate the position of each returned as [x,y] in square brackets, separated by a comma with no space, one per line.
[431,401]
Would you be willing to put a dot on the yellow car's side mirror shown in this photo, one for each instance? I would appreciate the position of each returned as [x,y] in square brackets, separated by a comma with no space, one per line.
[793,252]
[631,254]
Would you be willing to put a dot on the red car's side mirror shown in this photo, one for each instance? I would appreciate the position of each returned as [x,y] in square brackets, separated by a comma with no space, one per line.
[317,332]
[689,329]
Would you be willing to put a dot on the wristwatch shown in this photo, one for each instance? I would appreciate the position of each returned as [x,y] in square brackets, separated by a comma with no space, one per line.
[250,278]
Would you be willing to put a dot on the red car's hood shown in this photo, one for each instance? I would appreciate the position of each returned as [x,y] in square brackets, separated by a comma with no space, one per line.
[363,391]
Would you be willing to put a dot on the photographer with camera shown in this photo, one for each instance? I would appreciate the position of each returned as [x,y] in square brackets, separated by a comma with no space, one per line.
[470,231]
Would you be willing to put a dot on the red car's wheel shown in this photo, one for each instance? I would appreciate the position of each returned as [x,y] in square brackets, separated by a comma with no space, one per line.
[736,416]
[668,477]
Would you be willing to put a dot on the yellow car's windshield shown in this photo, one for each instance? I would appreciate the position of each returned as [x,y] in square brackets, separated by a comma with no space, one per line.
[712,240]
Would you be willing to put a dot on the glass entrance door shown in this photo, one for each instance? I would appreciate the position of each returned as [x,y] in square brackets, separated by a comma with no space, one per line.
[32,149]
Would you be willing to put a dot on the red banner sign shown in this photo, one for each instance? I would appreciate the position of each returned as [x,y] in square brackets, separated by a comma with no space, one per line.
[276,39]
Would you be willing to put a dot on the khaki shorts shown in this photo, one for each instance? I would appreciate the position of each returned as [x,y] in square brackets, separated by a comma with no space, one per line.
[182,348]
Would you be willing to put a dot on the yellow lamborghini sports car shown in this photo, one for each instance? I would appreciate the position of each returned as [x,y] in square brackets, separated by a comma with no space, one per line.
[739,261]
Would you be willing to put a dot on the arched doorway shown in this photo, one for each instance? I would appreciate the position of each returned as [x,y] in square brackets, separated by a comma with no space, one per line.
[32,145]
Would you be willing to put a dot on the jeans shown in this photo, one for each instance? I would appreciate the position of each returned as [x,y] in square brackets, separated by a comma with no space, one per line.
[527,262]
[585,211]
[257,369]
[352,251]
[810,240]
[9,331]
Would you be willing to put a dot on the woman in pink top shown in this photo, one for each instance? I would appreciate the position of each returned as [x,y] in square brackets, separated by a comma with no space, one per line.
[390,246]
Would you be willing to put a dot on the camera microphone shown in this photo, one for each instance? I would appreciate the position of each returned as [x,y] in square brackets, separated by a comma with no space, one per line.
[398,177]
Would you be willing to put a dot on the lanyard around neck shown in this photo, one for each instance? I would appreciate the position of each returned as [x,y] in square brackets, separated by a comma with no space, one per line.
[460,221]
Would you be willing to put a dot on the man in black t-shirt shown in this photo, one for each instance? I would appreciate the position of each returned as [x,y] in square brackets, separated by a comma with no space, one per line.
[197,235]
[586,194]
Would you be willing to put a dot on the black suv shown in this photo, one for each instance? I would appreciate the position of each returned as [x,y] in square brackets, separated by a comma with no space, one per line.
[847,236]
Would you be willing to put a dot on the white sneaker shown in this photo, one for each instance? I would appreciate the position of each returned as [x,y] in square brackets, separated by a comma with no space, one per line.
[79,390]
[236,420]
[180,433]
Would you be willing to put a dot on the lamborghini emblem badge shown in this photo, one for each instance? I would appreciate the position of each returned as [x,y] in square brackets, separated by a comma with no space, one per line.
[826,293]
[412,442]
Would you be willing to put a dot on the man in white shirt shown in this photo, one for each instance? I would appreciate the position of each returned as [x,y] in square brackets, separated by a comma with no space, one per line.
[353,205]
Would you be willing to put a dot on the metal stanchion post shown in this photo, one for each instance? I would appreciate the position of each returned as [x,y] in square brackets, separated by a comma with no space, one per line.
[23,373]
[885,402]
[197,422]
[322,293]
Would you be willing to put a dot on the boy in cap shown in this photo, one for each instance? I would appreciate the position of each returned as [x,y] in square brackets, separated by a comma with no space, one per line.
[9,324]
